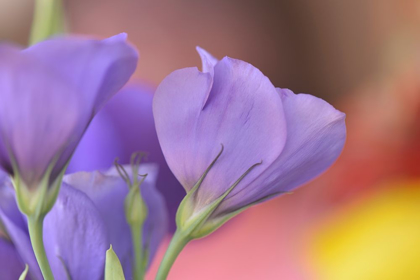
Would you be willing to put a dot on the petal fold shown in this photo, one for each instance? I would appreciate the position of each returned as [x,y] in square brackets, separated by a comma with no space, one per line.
[315,138]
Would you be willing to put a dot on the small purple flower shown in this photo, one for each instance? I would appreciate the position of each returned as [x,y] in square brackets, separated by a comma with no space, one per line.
[50,92]
[276,139]
[87,217]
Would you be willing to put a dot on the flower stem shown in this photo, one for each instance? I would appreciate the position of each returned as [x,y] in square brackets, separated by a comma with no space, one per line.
[47,20]
[178,242]
[35,225]
[138,263]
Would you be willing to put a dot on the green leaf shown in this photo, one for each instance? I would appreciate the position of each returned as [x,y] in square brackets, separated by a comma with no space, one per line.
[113,269]
[24,273]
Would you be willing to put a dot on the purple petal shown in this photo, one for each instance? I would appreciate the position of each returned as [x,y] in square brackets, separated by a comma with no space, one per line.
[8,202]
[98,69]
[16,228]
[38,113]
[208,61]
[100,144]
[315,138]
[243,112]
[57,85]
[75,236]
[125,125]
[18,235]
[11,265]
[108,192]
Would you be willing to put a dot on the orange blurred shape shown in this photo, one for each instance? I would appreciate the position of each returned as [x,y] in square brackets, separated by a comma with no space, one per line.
[376,238]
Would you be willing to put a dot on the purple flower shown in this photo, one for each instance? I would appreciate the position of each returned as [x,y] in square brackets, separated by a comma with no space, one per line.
[276,139]
[50,92]
[125,125]
[87,217]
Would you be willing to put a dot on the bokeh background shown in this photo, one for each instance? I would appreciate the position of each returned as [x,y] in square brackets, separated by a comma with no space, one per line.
[360,219]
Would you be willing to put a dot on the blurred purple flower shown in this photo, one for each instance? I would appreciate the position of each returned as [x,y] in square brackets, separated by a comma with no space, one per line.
[125,125]
[50,92]
[87,217]
[294,137]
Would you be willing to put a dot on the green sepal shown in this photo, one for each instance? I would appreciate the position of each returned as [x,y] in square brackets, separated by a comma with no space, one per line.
[113,268]
[215,222]
[199,223]
[24,273]
[39,200]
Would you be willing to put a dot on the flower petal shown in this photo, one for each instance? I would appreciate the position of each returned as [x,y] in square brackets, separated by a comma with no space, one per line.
[17,229]
[315,138]
[11,265]
[208,61]
[243,112]
[108,194]
[75,236]
[108,191]
[39,114]
[124,126]
[50,92]
[98,69]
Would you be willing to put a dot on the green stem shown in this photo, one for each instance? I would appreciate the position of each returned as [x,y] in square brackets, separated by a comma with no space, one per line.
[178,242]
[35,225]
[44,20]
[138,267]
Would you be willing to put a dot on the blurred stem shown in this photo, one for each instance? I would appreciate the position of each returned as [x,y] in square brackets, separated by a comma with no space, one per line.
[178,242]
[138,263]
[48,20]
[35,225]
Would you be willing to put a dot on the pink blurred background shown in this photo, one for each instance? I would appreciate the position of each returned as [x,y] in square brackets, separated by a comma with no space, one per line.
[359,220]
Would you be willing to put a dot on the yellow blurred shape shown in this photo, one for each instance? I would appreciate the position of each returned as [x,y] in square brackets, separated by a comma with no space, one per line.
[377,239]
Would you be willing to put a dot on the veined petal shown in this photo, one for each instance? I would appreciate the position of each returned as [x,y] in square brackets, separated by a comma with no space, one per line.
[50,93]
[315,138]
[39,114]
[243,112]
[97,68]
[108,194]
[75,236]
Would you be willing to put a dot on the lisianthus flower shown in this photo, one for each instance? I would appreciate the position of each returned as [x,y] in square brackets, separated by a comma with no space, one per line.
[87,217]
[50,92]
[228,134]
[125,125]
